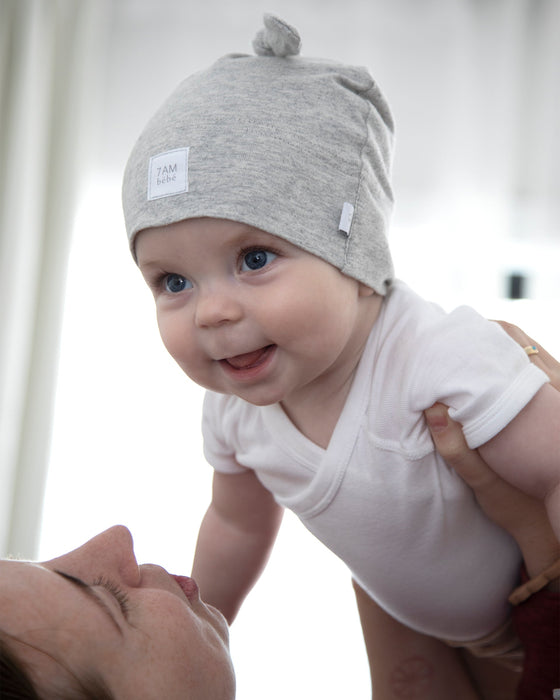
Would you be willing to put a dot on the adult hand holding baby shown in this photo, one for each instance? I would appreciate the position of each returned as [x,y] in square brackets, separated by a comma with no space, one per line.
[522,516]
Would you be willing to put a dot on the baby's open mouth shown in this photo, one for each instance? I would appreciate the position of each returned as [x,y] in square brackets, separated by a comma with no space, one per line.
[249,359]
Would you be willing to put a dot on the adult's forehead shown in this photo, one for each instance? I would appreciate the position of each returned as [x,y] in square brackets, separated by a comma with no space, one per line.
[20,577]
[41,619]
[27,595]
[29,623]
[37,605]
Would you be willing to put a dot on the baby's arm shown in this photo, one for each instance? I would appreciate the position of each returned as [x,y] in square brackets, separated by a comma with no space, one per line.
[526,453]
[235,540]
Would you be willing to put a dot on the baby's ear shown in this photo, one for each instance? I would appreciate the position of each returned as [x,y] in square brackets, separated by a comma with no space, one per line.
[365,291]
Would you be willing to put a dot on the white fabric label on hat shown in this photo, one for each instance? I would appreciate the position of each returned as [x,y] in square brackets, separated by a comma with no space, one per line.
[168,173]
[346,218]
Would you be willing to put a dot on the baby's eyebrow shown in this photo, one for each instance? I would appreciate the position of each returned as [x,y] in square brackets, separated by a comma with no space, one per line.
[92,595]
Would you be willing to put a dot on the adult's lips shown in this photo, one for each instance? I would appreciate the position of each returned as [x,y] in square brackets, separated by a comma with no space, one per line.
[188,585]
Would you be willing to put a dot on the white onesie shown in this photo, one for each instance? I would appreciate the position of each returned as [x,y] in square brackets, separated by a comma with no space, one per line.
[379,496]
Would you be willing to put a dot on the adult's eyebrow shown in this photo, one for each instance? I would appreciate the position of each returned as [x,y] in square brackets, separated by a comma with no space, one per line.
[89,591]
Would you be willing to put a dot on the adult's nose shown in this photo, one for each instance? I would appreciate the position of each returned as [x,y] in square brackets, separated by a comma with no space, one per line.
[109,554]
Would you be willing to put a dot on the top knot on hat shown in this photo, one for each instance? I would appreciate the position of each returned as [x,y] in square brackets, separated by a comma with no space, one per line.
[277,38]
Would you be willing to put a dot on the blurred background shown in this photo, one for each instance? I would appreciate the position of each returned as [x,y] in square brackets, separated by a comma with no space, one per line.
[97,425]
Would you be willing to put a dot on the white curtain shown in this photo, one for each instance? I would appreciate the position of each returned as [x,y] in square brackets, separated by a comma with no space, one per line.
[47,71]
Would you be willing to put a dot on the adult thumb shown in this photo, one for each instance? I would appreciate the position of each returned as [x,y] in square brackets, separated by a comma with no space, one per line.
[451,444]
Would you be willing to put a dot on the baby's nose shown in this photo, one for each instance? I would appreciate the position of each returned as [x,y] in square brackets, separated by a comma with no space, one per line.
[216,307]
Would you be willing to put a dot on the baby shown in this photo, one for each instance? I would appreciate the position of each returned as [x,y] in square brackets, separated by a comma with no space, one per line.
[257,202]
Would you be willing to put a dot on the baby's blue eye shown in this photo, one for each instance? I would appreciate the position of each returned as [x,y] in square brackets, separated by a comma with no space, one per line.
[257,259]
[176,283]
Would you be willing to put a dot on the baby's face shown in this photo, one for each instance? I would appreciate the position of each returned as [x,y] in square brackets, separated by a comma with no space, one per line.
[244,312]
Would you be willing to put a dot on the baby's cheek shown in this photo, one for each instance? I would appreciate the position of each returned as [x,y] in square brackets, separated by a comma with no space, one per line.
[172,335]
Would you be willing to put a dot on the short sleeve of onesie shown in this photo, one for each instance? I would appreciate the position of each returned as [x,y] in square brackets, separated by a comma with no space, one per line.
[219,447]
[473,366]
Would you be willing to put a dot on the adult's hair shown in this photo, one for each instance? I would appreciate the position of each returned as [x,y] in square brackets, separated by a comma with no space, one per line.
[16,682]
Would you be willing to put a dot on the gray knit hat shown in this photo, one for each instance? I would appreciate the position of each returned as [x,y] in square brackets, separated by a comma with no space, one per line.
[298,147]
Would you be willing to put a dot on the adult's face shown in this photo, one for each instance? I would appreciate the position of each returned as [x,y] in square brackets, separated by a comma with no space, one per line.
[94,611]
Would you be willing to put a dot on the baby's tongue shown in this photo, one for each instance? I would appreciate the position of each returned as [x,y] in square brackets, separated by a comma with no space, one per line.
[248,359]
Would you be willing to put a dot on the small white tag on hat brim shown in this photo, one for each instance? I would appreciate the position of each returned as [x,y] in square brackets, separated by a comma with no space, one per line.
[346,218]
[168,173]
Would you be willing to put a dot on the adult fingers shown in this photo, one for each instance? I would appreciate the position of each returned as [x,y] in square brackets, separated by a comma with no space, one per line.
[542,358]
[450,443]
